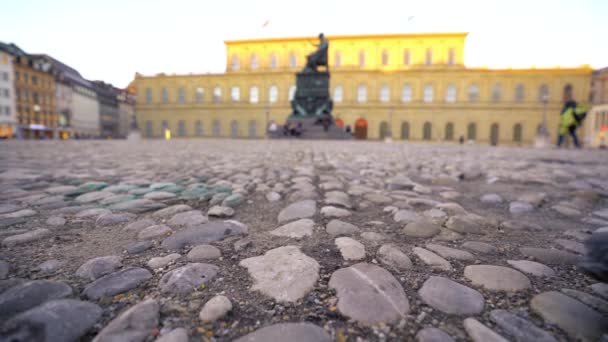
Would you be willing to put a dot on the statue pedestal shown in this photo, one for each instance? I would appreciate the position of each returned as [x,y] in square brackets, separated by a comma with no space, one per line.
[541,141]
[311,128]
[134,136]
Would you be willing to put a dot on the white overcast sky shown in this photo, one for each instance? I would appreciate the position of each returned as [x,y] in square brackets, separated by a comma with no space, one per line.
[113,39]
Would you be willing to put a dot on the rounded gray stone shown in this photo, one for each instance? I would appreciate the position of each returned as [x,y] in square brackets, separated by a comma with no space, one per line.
[113,219]
[298,210]
[139,225]
[185,279]
[134,324]
[4,269]
[433,335]
[406,216]
[21,239]
[578,320]
[30,294]
[601,289]
[517,208]
[350,249]
[205,233]
[97,267]
[451,297]
[532,267]
[338,227]
[550,256]
[593,302]
[296,229]
[117,282]
[138,247]
[188,218]
[480,333]
[392,257]
[56,221]
[463,224]
[292,332]
[55,320]
[491,199]
[432,259]
[154,232]
[480,247]
[450,253]
[421,228]
[329,211]
[216,308]
[50,266]
[219,211]
[369,294]
[175,335]
[497,278]
[158,262]
[171,210]
[203,252]
[520,329]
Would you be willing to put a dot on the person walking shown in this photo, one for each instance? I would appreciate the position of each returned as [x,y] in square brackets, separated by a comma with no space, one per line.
[571,116]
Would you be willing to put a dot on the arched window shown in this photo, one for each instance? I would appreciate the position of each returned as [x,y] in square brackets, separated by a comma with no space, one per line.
[406,93]
[164,126]
[494,134]
[234,129]
[472,131]
[293,60]
[181,128]
[217,128]
[337,59]
[273,94]
[181,95]
[429,56]
[149,96]
[361,93]
[274,61]
[385,57]
[449,131]
[406,57]
[254,62]
[473,93]
[361,58]
[496,92]
[235,94]
[427,131]
[519,93]
[198,127]
[451,56]
[165,95]
[199,95]
[385,93]
[338,93]
[383,131]
[450,93]
[252,128]
[405,130]
[428,93]
[217,95]
[236,63]
[149,129]
[543,93]
[254,95]
[517,133]
[292,92]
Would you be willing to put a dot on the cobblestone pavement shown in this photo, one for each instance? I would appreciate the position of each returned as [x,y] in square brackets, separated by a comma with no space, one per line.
[298,241]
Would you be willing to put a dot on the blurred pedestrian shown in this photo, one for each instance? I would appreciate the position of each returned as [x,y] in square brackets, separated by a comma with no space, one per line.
[571,117]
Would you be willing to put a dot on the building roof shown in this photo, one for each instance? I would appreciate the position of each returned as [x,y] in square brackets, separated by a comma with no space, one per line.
[12,49]
[351,37]
[66,73]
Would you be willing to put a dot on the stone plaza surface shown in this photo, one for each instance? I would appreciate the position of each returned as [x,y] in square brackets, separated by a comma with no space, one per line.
[298,241]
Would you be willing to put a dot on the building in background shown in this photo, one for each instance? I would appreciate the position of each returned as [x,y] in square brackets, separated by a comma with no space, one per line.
[8,119]
[109,118]
[76,99]
[406,86]
[599,86]
[126,110]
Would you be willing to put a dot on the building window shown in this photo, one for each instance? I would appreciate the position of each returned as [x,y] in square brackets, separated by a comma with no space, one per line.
[337,59]
[198,127]
[273,94]
[181,95]
[181,128]
[449,131]
[473,93]
[429,57]
[165,95]
[428,93]
[274,62]
[254,95]
[472,131]
[148,96]
[338,93]
[6,93]
[519,93]
[217,129]
[34,80]
[451,56]
[236,63]
[427,131]
[254,62]
[292,92]
[361,58]
[406,93]
[7,110]
[543,93]
[149,129]
[252,128]
[450,94]
[217,95]
[385,57]
[165,127]
[200,95]
[406,57]
[17,76]
[405,130]
[35,98]
[496,92]
[293,60]
[234,129]
[235,94]
[517,133]
[5,76]
[361,93]
[385,93]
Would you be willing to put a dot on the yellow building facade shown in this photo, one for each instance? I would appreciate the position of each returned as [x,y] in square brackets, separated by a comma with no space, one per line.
[408,86]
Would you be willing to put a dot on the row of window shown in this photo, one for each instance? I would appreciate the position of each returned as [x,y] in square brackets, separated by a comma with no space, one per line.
[386,59]
[26,110]
[33,79]
[6,110]
[428,94]
[199,128]
[37,98]
[35,120]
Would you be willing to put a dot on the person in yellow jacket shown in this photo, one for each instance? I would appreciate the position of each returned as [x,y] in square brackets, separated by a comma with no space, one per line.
[571,116]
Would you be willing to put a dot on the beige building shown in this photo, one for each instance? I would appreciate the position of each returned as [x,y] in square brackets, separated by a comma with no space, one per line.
[408,86]
[8,119]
